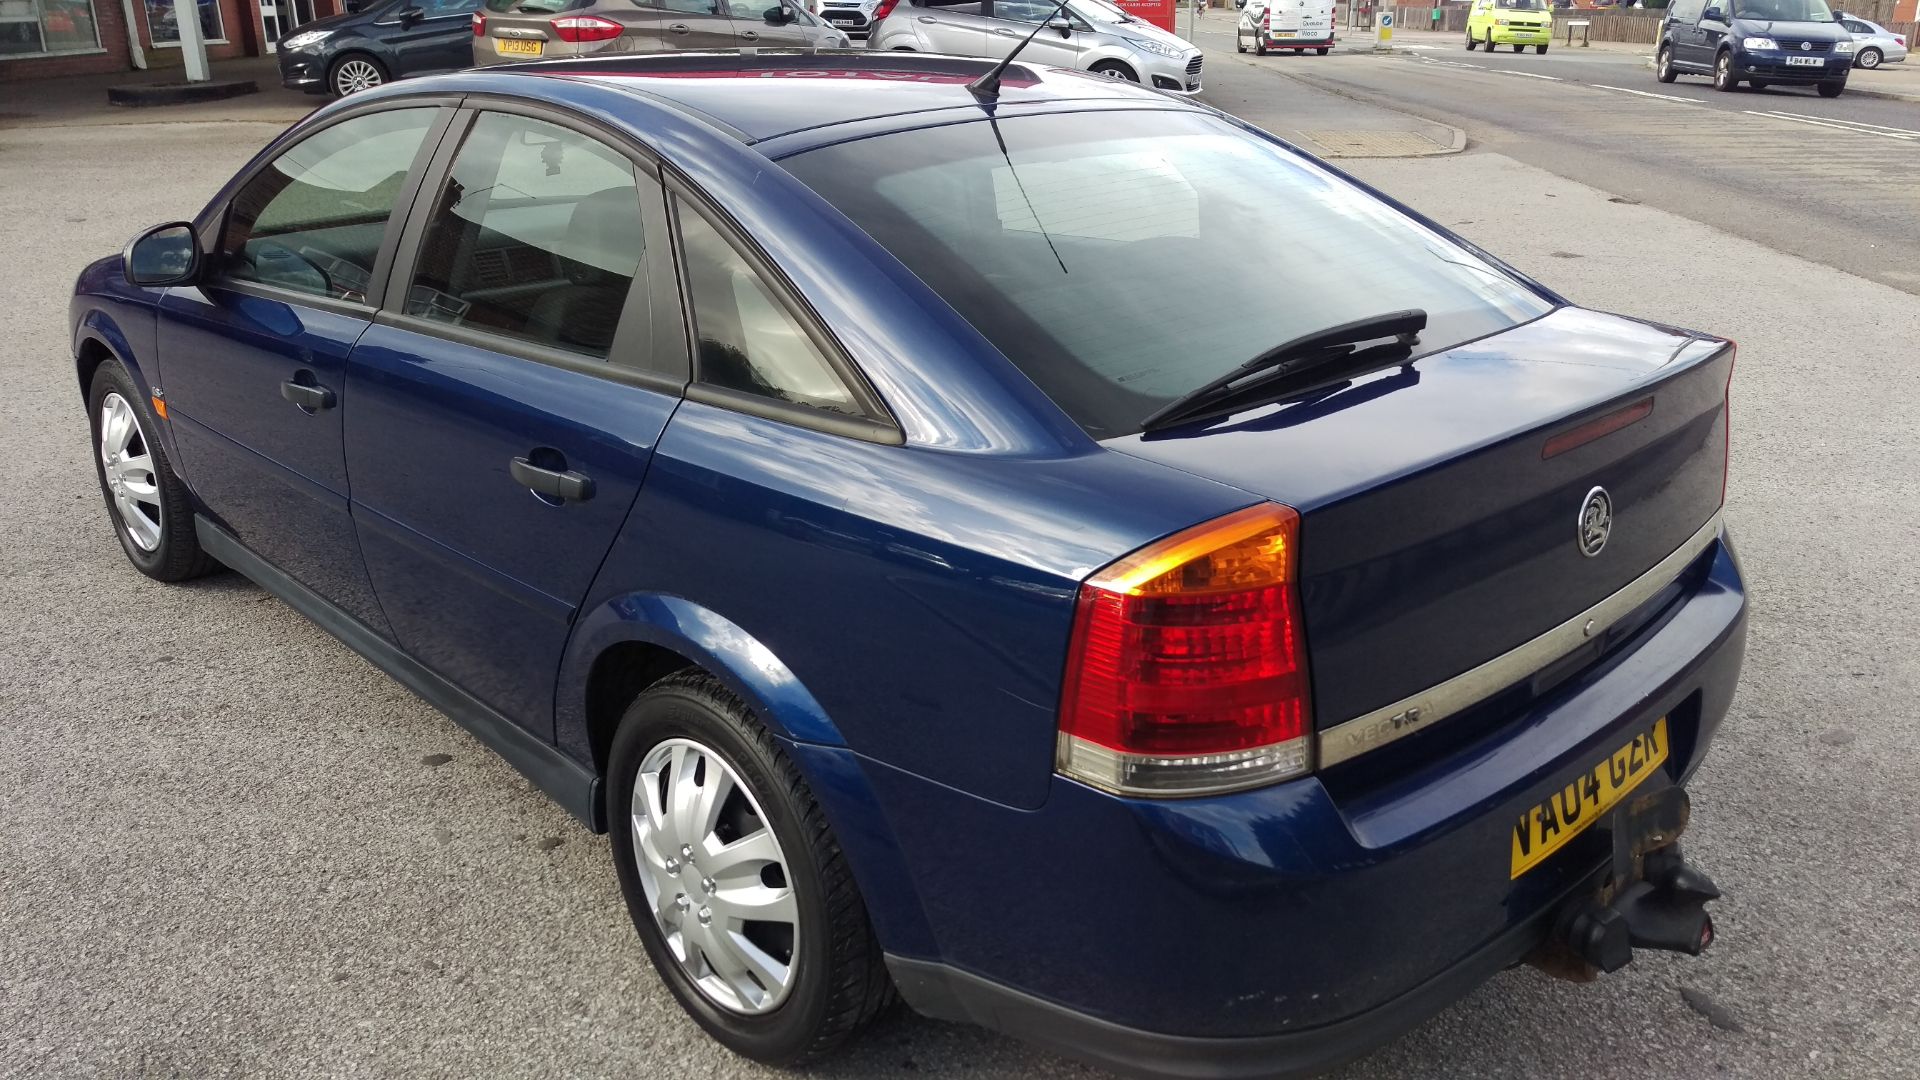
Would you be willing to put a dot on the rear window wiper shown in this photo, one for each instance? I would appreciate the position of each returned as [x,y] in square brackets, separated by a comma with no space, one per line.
[1306,363]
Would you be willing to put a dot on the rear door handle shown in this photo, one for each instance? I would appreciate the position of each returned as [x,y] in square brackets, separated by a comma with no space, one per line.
[1002,31]
[307,396]
[750,35]
[929,19]
[677,28]
[570,486]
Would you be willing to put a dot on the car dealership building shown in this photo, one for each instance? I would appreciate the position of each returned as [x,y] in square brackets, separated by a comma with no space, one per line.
[45,38]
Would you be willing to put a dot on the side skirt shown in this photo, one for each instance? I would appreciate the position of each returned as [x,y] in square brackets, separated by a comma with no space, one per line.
[565,780]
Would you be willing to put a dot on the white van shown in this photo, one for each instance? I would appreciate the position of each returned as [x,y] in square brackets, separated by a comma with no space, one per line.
[1266,25]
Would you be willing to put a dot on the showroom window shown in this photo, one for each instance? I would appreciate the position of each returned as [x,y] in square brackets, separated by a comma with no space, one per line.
[40,27]
[161,22]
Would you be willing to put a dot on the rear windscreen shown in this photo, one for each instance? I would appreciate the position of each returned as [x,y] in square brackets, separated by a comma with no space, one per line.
[1121,259]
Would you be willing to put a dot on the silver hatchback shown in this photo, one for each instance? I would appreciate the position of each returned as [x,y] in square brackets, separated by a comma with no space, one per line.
[1092,36]
[506,30]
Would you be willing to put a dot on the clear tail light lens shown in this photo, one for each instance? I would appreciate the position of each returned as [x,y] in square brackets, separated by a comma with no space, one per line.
[1186,672]
[586,28]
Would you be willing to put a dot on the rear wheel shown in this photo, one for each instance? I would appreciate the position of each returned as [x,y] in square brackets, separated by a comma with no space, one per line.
[1322,52]
[1114,69]
[1868,58]
[1832,89]
[151,511]
[1663,68]
[1519,48]
[1724,80]
[742,897]
[1541,49]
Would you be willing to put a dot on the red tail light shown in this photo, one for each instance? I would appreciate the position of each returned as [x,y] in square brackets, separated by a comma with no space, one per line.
[1266,21]
[885,9]
[479,24]
[587,28]
[1186,673]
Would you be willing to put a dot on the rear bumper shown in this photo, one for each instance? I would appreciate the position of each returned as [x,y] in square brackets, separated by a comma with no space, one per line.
[1288,928]
[1325,42]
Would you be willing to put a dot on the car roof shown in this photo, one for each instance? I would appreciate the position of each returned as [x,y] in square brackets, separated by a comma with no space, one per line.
[765,94]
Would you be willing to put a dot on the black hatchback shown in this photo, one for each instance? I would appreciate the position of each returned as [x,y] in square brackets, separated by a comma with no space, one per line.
[1760,42]
[383,41]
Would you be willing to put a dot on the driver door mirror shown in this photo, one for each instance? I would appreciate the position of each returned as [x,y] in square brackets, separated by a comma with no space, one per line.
[1062,25]
[779,15]
[163,255]
[407,16]
[1713,14]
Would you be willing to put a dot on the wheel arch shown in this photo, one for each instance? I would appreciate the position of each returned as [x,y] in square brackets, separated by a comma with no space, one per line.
[97,339]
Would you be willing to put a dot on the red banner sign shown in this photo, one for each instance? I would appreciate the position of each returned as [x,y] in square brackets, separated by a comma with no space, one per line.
[1157,12]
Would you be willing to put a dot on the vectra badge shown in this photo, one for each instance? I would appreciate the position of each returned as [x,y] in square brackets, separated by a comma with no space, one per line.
[1596,522]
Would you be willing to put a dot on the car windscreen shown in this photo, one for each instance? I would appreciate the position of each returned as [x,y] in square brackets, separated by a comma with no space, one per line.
[1122,259]
[1783,11]
[1519,5]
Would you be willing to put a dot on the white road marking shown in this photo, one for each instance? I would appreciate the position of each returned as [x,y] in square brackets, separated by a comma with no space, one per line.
[1871,128]
[1524,74]
[1643,93]
[1833,125]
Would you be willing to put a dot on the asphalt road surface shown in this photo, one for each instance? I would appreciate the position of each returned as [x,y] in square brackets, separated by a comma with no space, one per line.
[231,848]
[1835,180]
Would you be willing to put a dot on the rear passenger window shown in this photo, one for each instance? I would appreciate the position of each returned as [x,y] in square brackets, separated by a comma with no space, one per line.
[747,339]
[313,220]
[536,235]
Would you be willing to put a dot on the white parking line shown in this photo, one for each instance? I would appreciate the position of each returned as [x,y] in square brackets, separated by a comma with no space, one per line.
[1870,128]
[1643,93]
[1798,119]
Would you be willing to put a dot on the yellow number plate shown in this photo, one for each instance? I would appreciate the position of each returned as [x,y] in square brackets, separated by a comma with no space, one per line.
[509,47]
[1565,814]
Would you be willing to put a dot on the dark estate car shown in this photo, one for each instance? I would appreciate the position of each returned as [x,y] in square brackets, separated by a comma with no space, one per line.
[837,477]
[383,41]
[1759,42]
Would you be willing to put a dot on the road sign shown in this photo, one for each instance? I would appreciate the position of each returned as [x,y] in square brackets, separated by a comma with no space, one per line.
[1383,31]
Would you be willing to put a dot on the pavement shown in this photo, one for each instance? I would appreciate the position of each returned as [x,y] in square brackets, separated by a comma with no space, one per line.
[82,99]
[232,848]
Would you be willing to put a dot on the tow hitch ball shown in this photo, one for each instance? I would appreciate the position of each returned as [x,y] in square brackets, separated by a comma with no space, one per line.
[1656,899]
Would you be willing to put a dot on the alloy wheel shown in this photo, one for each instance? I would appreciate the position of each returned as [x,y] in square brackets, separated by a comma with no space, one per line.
[1870,59]
[354,76]
[1723,72]
[715,877]
[127,463]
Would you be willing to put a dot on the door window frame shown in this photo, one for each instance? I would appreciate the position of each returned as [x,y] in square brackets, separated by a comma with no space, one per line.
[875,424]
[653,355]
[213,230]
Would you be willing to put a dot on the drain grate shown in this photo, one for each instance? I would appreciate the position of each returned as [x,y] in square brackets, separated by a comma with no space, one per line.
[1345,143]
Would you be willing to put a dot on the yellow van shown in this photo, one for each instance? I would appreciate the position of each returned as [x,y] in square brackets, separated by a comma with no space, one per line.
[1518,23]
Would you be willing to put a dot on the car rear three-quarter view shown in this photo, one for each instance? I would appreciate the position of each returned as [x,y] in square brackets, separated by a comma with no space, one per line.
[1009,540]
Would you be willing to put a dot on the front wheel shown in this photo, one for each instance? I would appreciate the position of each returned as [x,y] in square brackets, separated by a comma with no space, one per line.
[355,72]
[1114,69]
[1259,44]
[740,893]
[151,510]
[1663,68]
[1470,42]
[1868,58]
[1832,89]
[1239,43]
[1724,80]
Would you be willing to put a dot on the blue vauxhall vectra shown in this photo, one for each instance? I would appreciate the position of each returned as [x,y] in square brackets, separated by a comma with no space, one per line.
[998,538]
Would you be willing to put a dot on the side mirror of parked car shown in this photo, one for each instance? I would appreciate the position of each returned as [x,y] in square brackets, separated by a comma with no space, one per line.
[410,15]
[163,255]
[1713,14]
[1062,25]
[778,15]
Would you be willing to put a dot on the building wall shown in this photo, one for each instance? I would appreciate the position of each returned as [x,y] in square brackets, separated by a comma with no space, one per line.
[240,28]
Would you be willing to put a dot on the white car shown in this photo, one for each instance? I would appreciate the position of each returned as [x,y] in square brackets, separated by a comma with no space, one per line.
[856,17]
[1092,36]
[1873,44]
[1269,25]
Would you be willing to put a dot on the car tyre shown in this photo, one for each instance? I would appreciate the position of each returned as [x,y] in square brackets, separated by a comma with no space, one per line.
[837,980]
[1541,49]
[151,509]
[1832,89]
[1724,80]
[1519,48]
[1239,43]
[1868,58]
[1322,52]
[1663,67]
[355,72]
[1470,42]
[1114,69]
[1259,45]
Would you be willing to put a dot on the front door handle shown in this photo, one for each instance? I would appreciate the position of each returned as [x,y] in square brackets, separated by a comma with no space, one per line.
[677,28]
[1002,31]
[569,486]
[928,19]
[307,396]
[750,35]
